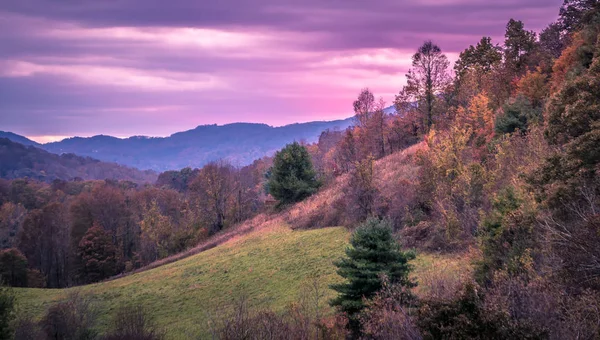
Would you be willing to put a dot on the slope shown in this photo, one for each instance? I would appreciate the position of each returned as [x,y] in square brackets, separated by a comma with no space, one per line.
[17,160]
[269,266]
[264,259]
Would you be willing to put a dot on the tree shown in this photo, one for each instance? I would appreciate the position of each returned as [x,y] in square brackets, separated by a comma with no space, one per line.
[361,194]
[373,253]
[7,314]
[476,70]
[98,256]
[427,79]
[157,230]
[44,240]
[519,46]
[518,114]
[575,13]
[364,106]
[483,57]
[552,40]
[13,268]
[292,175]
[215,186]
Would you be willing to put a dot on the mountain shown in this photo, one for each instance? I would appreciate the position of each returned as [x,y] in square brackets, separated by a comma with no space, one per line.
[18,160]
[18,138]
[239,143]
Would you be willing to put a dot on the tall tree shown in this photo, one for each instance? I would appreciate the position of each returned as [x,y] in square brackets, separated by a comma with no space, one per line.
[576,13]
[373,252]
[425,81]
[293,177]
[364,106]
[519,46]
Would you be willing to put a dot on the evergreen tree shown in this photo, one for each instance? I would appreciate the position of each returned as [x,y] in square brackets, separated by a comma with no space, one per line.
[293,177]
[373,253]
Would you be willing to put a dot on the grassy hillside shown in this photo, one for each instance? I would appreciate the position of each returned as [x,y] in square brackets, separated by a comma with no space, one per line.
[270,266]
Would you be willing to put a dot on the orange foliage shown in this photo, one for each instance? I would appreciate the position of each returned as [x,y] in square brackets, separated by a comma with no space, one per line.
[566,61]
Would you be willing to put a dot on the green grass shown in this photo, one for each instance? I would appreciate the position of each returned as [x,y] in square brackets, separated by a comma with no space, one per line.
[270,267]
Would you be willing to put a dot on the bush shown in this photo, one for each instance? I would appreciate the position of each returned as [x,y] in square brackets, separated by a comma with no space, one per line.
[27,329]
[71,319]
[133,323]
[13,267]
[7,305]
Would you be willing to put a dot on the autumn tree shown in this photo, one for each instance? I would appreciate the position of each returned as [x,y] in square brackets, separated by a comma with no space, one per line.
[215,186]
[361,194]
[44,240]
[364,106]
[373,253]
[97,256]
[426,81]
[11,219]
[569,178]
[157,232]
[293,177]
[478,118]
[475,70]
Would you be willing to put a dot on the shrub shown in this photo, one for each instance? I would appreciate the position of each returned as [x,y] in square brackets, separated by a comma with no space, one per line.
[7,304]
[13,267]
[27,329]
[133,323]
[70,319]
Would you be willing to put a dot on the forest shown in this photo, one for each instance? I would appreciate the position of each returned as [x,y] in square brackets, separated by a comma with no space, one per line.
[504,167]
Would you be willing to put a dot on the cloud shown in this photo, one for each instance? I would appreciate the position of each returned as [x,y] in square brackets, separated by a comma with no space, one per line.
[131,67]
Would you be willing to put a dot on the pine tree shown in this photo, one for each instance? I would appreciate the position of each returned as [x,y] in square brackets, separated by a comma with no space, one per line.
[373,253]
[293,177]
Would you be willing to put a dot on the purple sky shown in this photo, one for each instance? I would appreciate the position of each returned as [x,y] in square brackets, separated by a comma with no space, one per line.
[154,67]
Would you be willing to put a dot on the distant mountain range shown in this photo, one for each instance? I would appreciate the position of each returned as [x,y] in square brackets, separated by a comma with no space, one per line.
[18,160]
[238,143]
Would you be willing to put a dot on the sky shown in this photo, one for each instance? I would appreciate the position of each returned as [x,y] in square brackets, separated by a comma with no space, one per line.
[155,67]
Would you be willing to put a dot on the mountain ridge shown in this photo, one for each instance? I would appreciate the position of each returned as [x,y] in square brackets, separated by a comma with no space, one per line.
[238,143]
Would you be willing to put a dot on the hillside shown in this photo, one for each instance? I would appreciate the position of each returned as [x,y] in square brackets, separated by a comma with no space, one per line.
[270,266]
[239,143]
[264,259]
[18,138]
[18,160]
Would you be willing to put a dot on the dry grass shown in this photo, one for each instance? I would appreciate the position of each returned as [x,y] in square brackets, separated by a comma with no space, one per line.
[392,174]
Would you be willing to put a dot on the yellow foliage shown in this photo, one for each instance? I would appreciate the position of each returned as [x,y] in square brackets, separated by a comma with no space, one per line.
[478,116]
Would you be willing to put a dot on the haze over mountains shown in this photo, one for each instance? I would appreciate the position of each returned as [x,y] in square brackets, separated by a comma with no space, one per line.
[238,143]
